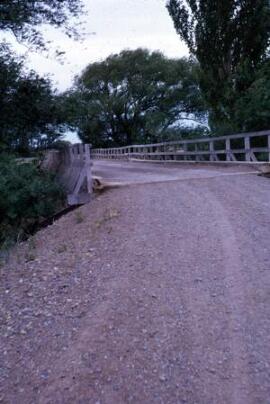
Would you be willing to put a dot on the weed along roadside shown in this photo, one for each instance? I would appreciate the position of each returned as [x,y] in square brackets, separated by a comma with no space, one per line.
[27,195]
[34,195]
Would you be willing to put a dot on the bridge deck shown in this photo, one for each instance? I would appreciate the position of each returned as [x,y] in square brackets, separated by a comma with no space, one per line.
[141,172]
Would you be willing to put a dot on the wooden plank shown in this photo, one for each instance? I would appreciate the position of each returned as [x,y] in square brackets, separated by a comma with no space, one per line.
[233,158]
[247,148]
[228,149]
[88,169]
[260,149]
[253,157]
[213,155]
[187,153]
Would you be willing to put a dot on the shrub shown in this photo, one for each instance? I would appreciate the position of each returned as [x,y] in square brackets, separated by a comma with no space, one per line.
[27,195]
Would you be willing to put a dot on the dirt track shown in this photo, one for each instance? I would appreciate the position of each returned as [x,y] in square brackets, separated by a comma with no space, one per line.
[154,293]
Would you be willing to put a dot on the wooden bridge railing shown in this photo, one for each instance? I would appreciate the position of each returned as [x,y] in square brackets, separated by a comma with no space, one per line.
[75,173]
[246,147]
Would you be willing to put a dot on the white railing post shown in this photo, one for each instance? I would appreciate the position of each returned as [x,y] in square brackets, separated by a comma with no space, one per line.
[247,148]
[228,149]
[88,168]
[211,149]
[197,157]
[174,152]
[185,151]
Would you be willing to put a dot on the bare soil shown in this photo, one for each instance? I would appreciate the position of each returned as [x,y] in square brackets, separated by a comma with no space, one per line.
[154,293]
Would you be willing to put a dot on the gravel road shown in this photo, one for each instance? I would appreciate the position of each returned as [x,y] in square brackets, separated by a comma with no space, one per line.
[152,293]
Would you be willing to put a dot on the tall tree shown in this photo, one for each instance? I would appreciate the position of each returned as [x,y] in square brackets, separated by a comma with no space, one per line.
[230,39]
[133,97]
[31,114]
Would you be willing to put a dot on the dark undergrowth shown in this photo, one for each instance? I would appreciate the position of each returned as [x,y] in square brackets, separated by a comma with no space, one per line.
[28,196]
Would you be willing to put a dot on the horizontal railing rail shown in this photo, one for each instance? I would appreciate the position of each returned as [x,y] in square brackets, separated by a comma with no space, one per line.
[246,147]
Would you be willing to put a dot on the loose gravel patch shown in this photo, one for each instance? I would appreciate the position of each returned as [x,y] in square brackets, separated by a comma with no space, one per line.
[154,293]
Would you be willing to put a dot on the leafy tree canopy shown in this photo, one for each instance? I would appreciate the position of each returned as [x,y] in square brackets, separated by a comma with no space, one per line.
[253,109]
[133,97]
[30,115]
[230,39]
[29,109]
[24,17]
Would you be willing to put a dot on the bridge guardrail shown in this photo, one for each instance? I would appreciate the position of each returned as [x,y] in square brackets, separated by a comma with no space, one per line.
[75,173]
[242,147]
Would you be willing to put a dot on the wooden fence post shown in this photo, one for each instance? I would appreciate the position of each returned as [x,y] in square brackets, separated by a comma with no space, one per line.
[174,152]
[228,149]
[247,148]
[88,168]
[197,157]
[212,151]
[185,151]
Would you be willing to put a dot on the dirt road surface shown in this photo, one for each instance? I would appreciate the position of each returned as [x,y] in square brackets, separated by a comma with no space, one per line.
[153,293]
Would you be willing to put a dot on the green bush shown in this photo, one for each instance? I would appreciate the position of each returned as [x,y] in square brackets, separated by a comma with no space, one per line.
[27,196]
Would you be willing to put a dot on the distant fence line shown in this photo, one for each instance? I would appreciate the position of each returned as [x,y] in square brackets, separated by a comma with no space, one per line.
[246,147]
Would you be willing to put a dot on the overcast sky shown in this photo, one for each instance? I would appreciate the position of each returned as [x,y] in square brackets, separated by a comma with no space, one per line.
[112,25]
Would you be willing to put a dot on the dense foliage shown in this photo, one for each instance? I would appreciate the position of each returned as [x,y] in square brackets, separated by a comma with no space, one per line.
[230,39]
[27,196]
[133,97]
[253,108]
[30,116]
[30,113]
